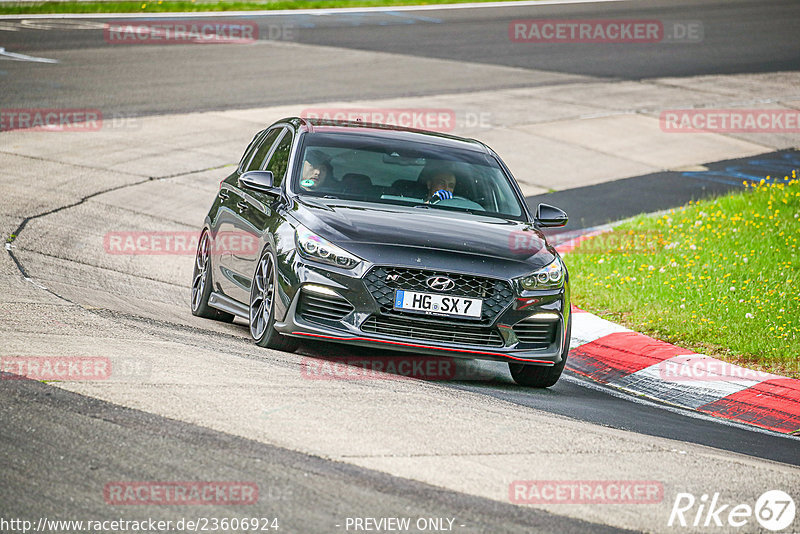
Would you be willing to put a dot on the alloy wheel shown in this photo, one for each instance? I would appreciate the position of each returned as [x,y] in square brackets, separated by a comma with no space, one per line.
[201,272]
[261,296]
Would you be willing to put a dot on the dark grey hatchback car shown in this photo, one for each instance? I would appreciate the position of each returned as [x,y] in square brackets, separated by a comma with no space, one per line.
[382,236]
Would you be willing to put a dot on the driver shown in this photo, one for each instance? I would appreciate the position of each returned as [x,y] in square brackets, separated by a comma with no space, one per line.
[440,186]
[316,171]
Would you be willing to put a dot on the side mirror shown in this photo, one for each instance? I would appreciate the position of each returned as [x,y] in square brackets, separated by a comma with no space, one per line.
[548,216]
[259,181]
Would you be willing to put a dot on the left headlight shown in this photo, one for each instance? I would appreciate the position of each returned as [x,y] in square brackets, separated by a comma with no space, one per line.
[549,277]
[313,247]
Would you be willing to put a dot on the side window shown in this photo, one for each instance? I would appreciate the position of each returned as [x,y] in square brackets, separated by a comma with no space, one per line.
[280,158]
[263,150]
[248,153]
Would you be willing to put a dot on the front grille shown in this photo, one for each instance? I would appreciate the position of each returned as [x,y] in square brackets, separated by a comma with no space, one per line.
[313,307]
[383,281]
[539,332]
[435,331]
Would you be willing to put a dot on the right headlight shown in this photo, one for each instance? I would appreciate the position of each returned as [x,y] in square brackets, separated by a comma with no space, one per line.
[313,247]
[549,277]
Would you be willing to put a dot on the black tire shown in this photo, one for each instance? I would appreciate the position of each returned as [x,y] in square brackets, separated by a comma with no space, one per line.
[262,309]
[201,283]
[539,376]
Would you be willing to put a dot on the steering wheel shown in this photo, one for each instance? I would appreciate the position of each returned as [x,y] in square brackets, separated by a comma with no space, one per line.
[459,202]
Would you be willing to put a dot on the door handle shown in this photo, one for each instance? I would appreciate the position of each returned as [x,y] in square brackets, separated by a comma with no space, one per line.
[242,205]
[223,195]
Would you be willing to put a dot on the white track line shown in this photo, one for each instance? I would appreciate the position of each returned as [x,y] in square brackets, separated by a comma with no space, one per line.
[23,57]
[284,12]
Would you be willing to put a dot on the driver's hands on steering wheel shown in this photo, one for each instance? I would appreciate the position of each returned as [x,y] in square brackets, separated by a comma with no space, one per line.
[441,194]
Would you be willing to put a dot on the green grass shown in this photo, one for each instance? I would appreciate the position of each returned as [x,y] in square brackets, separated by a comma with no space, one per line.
[10,8]
[718,276]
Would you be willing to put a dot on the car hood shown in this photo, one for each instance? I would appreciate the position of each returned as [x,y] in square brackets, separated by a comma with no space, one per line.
[368,228]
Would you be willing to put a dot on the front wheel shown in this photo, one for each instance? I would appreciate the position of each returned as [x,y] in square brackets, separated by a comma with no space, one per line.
[262,308]
[539,376]
[201,283]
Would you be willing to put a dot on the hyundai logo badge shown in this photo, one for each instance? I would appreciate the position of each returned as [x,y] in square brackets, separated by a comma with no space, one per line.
[440,283]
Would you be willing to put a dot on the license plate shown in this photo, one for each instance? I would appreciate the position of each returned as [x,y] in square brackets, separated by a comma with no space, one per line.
[433,303]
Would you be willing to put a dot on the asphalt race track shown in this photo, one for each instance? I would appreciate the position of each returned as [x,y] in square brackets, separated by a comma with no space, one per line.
[738,37]
[202,403]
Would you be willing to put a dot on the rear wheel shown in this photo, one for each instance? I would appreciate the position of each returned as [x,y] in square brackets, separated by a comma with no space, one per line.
[262,308]
[539,376]
[201,283]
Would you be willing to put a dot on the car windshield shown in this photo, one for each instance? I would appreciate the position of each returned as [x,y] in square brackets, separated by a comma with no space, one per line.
[392,171]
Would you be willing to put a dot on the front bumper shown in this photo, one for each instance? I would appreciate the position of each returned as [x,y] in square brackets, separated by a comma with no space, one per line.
[317,290]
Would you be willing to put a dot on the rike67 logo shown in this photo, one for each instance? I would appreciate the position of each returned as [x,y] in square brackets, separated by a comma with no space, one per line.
[774,510]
